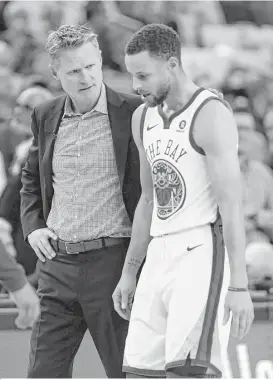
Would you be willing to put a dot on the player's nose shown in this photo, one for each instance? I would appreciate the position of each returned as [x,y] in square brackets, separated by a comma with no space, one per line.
[137,85]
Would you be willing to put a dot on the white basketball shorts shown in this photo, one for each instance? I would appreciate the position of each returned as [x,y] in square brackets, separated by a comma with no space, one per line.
[176,319]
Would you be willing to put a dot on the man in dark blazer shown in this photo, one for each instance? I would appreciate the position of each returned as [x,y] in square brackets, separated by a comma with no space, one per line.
[80,188]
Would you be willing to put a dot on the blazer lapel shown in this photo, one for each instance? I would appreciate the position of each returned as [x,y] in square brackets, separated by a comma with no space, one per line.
[51,127]
[120,120]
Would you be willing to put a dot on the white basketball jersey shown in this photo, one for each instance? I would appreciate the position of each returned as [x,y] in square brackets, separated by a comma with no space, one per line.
[183,195]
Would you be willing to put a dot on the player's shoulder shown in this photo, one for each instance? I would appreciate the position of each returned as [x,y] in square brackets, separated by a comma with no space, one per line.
[212,114]
[214,124]
[213,106]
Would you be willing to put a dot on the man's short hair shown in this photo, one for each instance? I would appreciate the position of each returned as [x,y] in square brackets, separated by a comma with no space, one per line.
[65,37]
[157,39]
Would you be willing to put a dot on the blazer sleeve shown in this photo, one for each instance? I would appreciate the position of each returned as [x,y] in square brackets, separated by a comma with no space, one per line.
[12,274]
[32,216]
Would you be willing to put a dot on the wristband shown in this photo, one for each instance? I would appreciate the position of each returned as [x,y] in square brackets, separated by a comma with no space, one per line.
[233,289]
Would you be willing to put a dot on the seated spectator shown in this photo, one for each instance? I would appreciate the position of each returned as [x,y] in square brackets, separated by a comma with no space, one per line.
[236,78]
[237,97]
[17,129]
[114,29]
[244,119]
[3,175]
[10,200]
[268,131]
[6,54]
[258,93]
[7,94]
[19,37]
[259,260]
[25,104]
[268,125]
[9,137]
[257,182]
[41,69]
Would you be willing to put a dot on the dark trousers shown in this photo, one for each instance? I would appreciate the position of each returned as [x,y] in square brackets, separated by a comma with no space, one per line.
[76,295]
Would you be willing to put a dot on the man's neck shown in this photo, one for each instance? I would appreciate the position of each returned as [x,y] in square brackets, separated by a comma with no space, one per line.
[85,108]
[179,96]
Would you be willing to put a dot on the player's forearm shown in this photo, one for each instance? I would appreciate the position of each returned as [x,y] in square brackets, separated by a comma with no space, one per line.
[234,236]
[140,236]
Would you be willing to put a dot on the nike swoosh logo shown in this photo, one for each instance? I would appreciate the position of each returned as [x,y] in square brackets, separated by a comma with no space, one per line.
[191,248]
[151,126]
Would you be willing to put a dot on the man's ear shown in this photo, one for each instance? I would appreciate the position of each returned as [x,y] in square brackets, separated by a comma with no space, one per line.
[173,63]
[100,55]
[54,72]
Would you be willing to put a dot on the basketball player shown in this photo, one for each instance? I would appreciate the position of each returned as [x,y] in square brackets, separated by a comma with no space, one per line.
[187,142]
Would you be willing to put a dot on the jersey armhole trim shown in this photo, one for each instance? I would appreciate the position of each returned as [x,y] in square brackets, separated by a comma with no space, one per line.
[193,143]
[142,121]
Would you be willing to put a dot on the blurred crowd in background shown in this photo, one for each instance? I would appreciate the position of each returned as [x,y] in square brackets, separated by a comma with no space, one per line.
[226,45]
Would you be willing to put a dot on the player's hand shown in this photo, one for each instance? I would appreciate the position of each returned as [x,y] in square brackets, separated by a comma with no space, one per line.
[124,294]
[221,97]
[38,240]
[241,306]
[28,304]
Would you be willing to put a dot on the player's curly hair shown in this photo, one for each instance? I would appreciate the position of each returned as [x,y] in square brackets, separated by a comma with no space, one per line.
[158,39]
[68,36]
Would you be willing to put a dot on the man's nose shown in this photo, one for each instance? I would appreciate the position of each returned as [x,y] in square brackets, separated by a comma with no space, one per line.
[85,76]
[136,85]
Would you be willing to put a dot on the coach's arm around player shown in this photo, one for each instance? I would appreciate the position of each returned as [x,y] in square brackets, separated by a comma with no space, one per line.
[125,289]
[215,132]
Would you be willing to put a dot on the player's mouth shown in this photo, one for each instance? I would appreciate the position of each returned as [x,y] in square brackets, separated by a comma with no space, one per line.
[145,96]
[86,88]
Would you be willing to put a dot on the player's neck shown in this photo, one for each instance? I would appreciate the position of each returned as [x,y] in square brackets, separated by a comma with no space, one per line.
[179,95]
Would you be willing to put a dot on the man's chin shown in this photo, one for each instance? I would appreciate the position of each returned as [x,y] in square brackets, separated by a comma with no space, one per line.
[150,103]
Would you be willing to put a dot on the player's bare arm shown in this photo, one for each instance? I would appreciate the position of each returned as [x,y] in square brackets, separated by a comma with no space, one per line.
[140,238]
[215,132]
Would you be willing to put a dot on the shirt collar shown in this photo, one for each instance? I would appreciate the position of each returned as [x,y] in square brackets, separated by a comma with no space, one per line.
[101,105]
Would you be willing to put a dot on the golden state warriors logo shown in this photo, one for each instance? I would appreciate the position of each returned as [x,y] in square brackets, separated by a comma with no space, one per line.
[170,189]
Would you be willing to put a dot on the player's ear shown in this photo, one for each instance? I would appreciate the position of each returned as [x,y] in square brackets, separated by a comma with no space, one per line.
[54,73]
[173,63]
